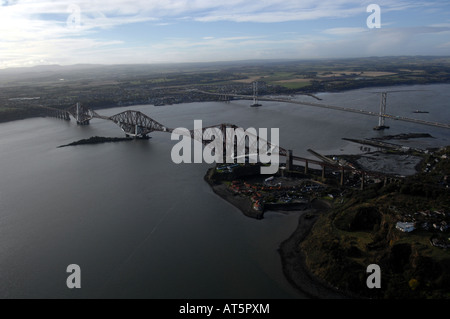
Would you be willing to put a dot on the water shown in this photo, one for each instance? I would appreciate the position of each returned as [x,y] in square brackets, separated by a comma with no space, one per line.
[140,226]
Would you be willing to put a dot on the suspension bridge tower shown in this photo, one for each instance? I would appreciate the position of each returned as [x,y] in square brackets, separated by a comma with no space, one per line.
[381,118]
[255,95]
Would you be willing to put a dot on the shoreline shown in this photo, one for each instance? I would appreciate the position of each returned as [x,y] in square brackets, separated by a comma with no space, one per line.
[33,111]
[243,204]
[293,260]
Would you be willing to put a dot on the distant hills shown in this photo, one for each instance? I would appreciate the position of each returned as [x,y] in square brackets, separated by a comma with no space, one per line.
[79,72]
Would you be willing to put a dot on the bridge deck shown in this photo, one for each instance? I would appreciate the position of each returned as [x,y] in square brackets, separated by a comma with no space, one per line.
[333,107]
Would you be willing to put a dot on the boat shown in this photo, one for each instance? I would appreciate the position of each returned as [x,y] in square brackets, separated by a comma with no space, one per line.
[419,111]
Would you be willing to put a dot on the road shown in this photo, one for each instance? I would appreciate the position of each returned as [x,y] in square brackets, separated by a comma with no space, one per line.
[337,108]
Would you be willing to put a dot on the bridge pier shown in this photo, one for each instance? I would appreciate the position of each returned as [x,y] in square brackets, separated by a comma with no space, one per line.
[306,167]
[323,172]
[81,114]
[83,123]
[362,181]
[224,98]
[289,161]
[66,116]
[342,176]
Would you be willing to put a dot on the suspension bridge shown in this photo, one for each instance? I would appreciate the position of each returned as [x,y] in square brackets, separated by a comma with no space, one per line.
[382,115]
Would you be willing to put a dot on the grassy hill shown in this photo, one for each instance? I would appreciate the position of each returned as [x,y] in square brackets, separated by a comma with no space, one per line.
[360,230]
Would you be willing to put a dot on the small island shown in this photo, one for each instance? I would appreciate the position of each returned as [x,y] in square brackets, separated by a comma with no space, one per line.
[99,140]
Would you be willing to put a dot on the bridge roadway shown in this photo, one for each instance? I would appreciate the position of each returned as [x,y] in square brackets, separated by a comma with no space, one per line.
[333,107]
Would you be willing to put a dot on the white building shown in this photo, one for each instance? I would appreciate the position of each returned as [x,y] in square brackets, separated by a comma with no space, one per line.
[405,227]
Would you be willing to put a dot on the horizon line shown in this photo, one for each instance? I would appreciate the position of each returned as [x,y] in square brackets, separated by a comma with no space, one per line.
[226,61]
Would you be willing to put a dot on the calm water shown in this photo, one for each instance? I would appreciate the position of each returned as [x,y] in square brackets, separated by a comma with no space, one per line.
[140,226]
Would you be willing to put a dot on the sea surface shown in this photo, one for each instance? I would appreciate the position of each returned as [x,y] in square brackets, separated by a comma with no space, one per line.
[140,226]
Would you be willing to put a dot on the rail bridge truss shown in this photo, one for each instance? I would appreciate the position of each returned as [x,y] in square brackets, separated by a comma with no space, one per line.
[139,125]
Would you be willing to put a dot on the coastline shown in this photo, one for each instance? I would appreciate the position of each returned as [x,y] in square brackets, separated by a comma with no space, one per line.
[243,204]
[293,259]
[35,111]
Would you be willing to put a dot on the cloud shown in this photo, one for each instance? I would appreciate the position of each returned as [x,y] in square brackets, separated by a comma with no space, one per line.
[279,11]
[390,41]
[440,25]
[345,31]
[22,20]
[61,31]
[104,14]
[444,45]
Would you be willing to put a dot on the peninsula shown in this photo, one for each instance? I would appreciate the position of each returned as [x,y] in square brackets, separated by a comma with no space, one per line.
[402,225]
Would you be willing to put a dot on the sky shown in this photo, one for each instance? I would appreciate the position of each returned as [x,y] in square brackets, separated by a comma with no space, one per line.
[43,32]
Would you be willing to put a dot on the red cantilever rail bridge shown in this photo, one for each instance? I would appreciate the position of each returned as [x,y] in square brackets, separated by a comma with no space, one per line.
[138,124]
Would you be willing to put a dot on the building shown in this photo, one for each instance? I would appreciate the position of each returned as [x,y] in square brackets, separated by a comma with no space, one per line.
[405,227]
